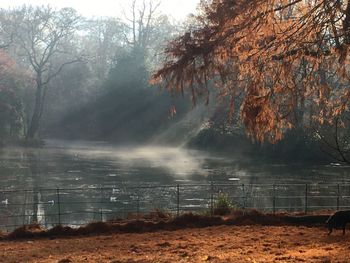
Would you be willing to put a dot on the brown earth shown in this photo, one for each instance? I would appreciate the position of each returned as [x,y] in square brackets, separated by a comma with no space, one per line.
[245,243]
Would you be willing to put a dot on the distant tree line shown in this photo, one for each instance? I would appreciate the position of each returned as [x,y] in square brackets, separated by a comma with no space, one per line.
[54,62]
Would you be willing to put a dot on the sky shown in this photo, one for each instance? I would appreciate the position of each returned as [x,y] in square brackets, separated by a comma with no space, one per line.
[179,9]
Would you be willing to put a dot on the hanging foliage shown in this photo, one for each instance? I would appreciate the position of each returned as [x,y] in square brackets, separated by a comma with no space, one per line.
[287,59]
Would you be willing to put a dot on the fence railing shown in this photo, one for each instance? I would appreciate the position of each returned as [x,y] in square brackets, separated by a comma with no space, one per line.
[74,207]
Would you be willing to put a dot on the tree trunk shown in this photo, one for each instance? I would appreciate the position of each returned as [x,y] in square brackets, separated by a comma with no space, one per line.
[36,118]
[34,126]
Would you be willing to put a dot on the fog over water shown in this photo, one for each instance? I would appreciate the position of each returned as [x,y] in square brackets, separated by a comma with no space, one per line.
[82,164]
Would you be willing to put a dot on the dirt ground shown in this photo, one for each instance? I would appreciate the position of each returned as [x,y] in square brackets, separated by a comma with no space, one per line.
[211,244]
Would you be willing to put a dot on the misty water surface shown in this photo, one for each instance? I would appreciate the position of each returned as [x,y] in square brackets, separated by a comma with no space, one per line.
[86,164]
[95,181]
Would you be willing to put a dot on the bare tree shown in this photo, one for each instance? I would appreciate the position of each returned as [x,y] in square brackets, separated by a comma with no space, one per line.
[105,36]
[334,138]
[141,22]
[6,32]
[39,33]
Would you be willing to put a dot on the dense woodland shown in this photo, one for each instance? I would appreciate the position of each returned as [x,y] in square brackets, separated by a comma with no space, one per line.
[263,78]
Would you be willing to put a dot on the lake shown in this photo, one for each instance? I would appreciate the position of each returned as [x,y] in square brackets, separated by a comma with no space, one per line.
[96,178]
[82,164]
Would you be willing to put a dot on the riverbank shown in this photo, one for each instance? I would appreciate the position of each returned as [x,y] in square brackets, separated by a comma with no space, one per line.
[160,221]
[245,243]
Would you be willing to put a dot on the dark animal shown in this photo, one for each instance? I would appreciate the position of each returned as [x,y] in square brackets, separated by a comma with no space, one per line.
[338,221]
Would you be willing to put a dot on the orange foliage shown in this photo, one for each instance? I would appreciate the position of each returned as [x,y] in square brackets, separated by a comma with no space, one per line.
[281,56]
[7,65]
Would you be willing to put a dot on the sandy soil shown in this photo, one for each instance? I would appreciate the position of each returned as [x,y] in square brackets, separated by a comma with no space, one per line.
[211,244]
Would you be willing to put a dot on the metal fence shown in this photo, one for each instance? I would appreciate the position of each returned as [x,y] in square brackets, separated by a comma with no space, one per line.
[74,207]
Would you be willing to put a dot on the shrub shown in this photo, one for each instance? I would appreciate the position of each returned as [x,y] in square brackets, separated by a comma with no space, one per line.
[223,205]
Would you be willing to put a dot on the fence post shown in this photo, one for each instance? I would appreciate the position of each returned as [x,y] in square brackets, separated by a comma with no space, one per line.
[211,199]
[35,210]
[58,206]
[101,204]
[338,197]
[178,200]
[24,207]
[306,197]
[124,210]
[274,199]
[138,205]
[244,197]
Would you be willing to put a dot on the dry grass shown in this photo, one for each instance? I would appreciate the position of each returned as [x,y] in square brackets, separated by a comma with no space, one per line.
[243,236]
[245,243]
